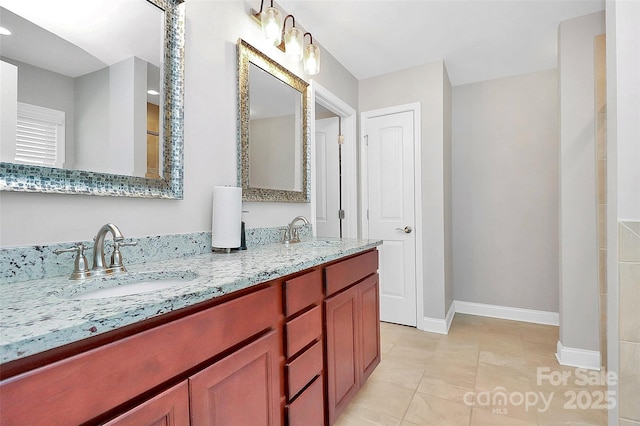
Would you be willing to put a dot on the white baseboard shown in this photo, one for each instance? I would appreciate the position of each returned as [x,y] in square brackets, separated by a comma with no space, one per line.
[450,314]
[507,312]
[437,325]
[574,357]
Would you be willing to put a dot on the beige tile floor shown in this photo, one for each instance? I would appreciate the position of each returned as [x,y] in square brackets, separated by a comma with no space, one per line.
[463,378]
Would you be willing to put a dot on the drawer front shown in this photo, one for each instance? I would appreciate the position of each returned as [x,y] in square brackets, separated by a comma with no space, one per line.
[342,274]
[308,408]
[302,291]
[304,368]
[303,330]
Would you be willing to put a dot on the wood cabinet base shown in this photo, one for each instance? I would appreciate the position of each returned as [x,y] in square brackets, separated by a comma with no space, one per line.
[291,351]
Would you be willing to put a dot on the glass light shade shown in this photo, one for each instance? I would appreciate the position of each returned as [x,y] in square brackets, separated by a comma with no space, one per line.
[293,44]
[311,59]
[271,20]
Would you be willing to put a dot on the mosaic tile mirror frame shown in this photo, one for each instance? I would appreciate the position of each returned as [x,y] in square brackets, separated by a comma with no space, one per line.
[298,189]
[31,178]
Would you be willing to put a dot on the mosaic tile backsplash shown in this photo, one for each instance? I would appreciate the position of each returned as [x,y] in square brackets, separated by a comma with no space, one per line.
[37,262]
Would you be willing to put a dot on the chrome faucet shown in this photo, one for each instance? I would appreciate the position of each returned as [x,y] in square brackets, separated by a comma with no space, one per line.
[99,262]
[98,245]
[81,269]
[291,234]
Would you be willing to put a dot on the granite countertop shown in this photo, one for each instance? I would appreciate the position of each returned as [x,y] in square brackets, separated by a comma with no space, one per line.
[43,314]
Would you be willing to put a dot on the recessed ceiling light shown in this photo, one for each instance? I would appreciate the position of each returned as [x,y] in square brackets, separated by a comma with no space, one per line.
[153,92]
[4,31]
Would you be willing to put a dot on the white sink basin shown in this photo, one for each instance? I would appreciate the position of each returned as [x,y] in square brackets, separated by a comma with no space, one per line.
[128,284]
[128,289]
[317,243]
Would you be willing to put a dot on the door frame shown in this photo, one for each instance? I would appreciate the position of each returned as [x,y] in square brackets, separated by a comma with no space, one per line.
[414,107]
[347,115]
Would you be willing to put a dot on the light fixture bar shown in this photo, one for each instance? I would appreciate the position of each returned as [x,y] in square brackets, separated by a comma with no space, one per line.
[291,41]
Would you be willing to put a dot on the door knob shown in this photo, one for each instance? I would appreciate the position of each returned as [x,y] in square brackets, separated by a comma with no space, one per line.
[406,229]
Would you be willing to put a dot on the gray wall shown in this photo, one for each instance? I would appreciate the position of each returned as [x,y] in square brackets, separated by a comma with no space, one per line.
[579,313]
[210,145]
[424,84]
[505,191]
[111,120]
[272,153]
[92,121]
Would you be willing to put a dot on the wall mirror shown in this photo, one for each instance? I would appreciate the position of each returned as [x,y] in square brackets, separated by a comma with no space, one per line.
[92,99]
[273,146]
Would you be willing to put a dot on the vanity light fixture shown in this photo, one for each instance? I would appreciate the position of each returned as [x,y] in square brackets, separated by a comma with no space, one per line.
[292,40]
[271,22]
[311,58]
[153,92]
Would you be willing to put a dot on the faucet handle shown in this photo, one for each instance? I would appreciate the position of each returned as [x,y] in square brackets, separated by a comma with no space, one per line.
[295,235]
[285,235]
[75,249]
[81,266]
[116,256]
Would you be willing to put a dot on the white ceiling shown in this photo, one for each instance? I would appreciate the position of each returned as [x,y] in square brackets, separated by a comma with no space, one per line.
[477,39]
[98,32]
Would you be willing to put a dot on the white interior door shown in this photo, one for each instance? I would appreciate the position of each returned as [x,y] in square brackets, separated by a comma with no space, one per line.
[327,178]
[391,211]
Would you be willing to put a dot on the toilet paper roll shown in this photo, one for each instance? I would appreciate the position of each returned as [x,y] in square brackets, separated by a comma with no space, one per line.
[226,217]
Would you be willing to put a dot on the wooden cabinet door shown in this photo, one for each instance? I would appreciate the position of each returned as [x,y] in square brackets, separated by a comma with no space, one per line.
[242,389]
[170,408]
[369,304]
[343,369]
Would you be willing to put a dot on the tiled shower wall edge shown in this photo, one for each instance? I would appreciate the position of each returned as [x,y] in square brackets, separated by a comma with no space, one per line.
[37,262]
[628,321]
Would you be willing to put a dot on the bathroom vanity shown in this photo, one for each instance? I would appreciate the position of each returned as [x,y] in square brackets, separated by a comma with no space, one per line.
[279,335]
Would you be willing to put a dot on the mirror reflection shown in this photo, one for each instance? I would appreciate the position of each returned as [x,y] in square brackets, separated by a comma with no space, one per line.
[121,33]
[81,86]
[275,129]
[273,150]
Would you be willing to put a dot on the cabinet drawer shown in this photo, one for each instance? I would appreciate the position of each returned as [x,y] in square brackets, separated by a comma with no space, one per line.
[303,369]
[308,408]
[342,274]
[303,330]
[302,291]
